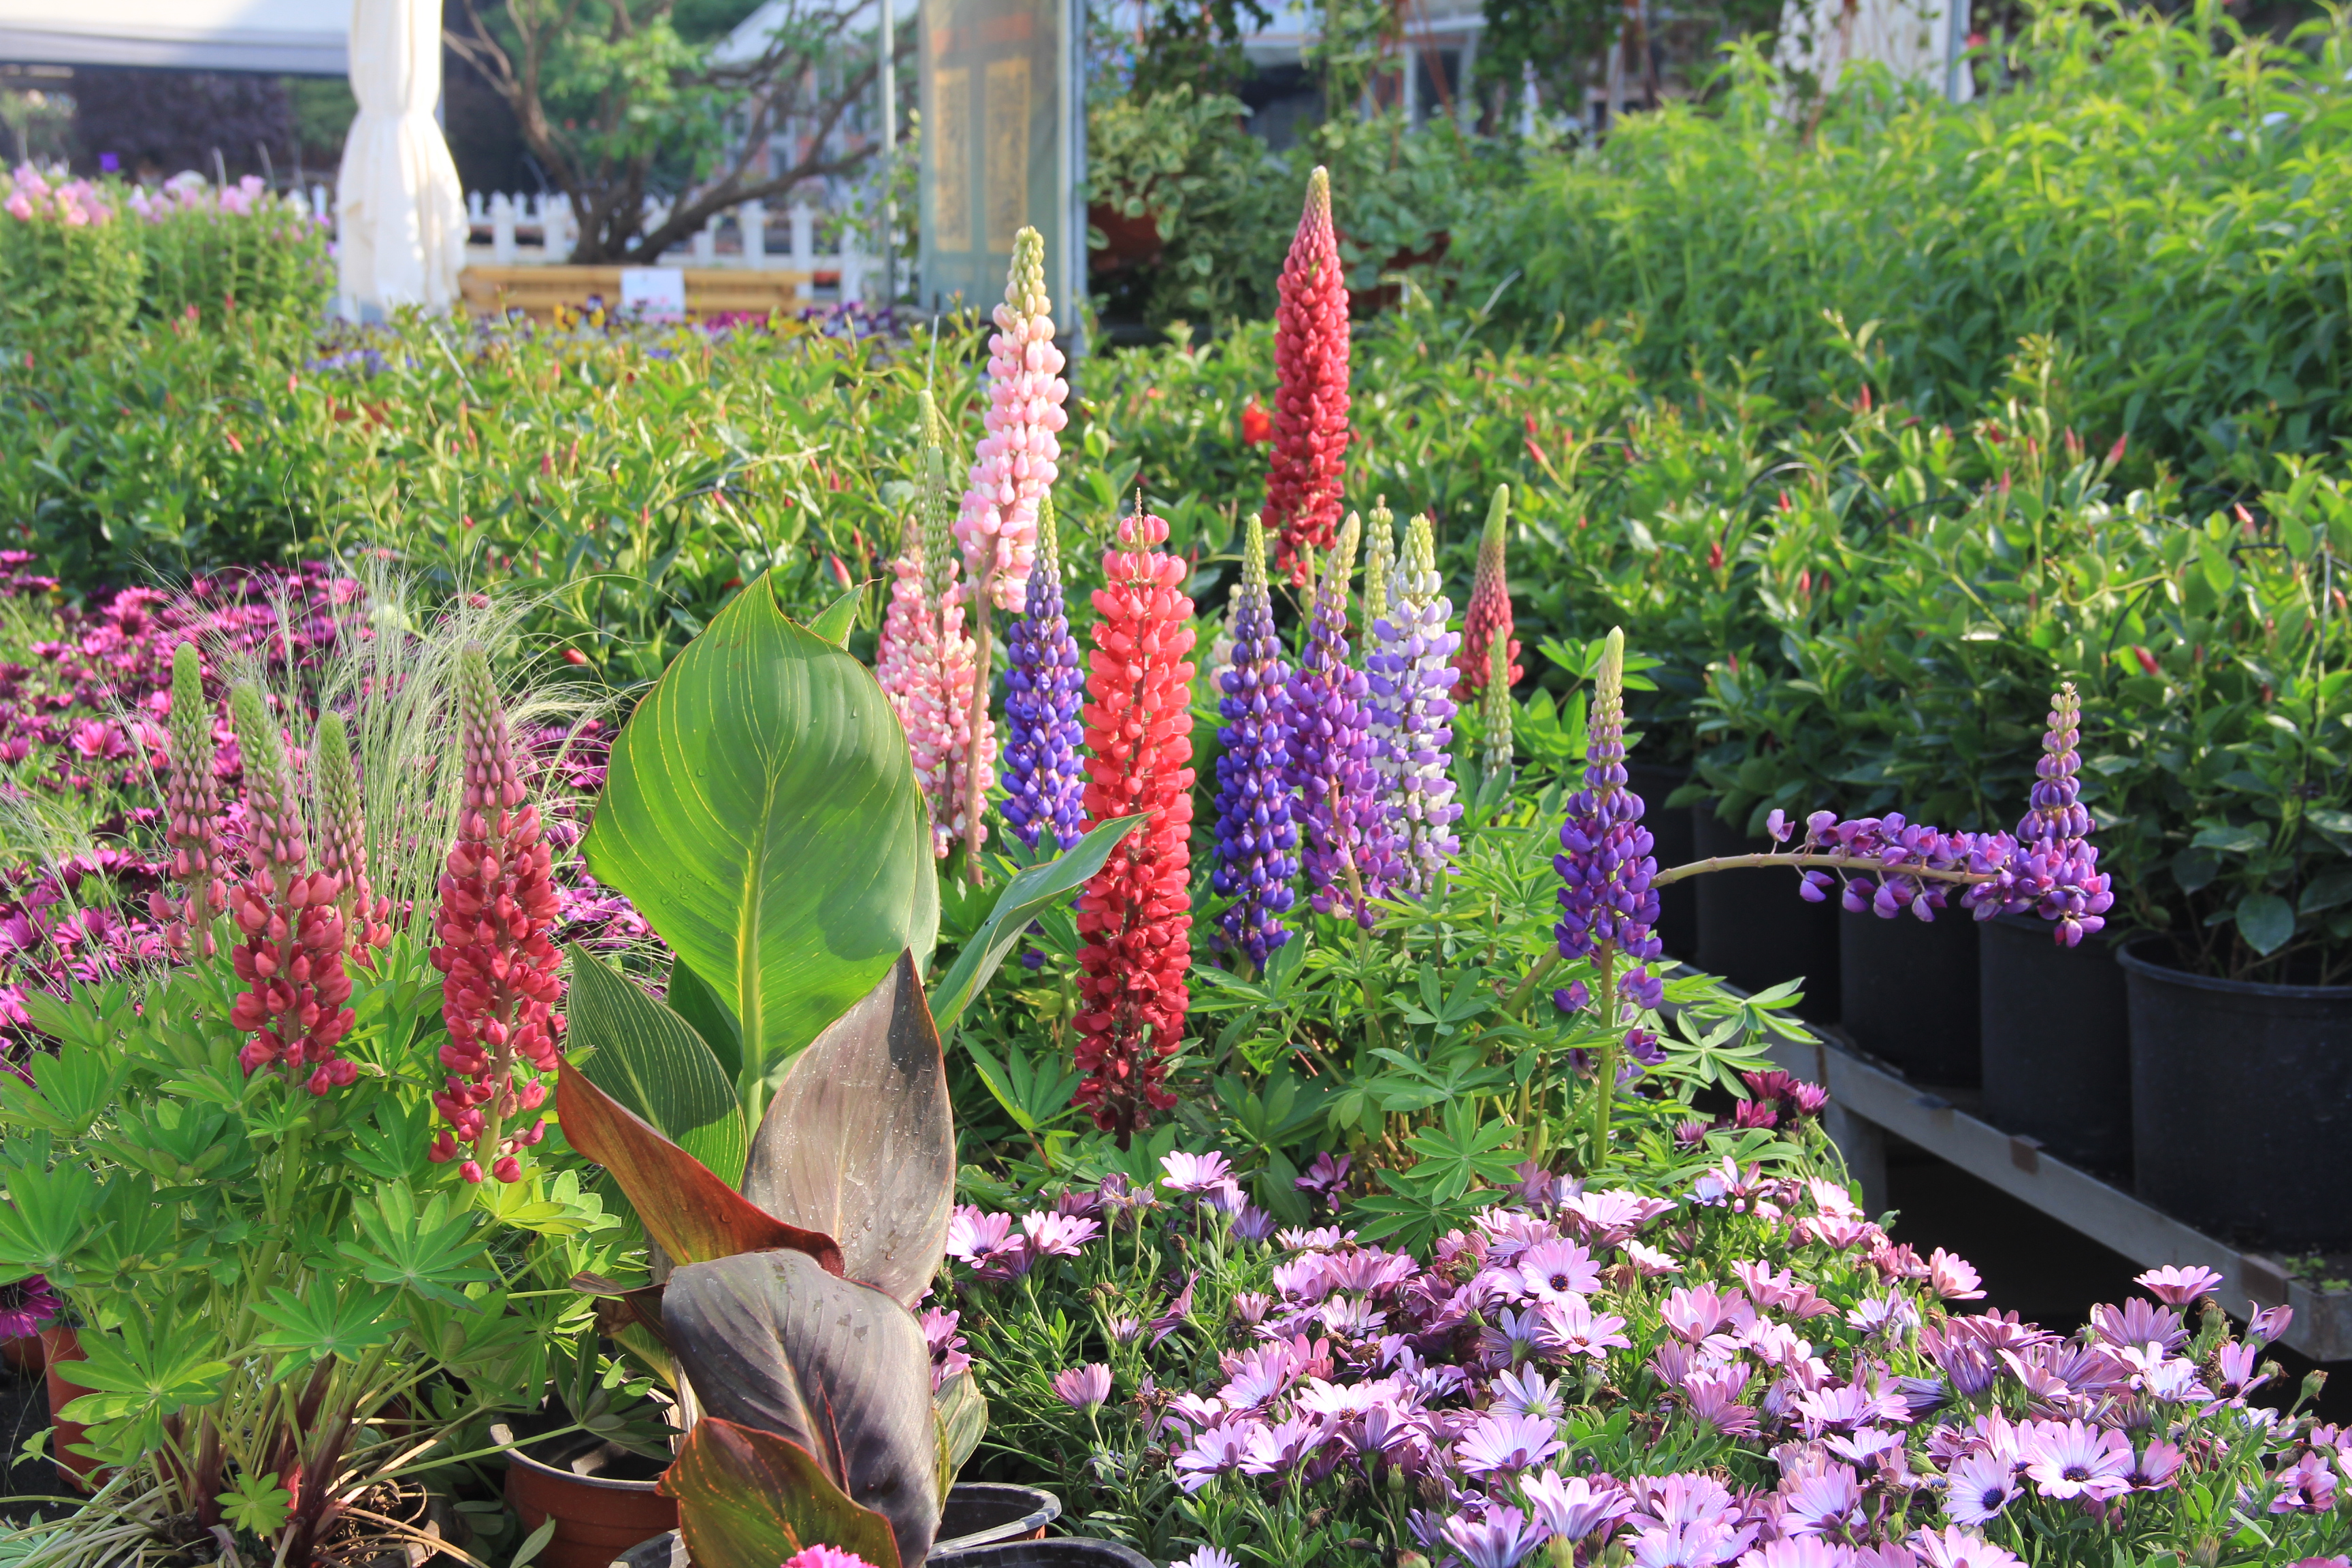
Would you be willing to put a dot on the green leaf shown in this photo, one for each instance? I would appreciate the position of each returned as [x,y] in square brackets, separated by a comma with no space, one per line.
[2267,921]
[331,1322]
[834,621]
[692,999]
[256,1504]
[749,1499]
[75,1087]
[2230,839]
[651,1060]
[46,1220]
[960,1414]
[761,812]
[142,1374]
[2325,891]
[427,1250]
[1030,891]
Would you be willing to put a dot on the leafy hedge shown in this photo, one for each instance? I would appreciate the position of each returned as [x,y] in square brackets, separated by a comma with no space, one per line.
[2161,198]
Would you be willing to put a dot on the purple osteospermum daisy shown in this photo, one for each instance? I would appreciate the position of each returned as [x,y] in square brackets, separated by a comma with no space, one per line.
[1256,842]
[26,1307]
[2177,1286]
[1501,1441]
[1499,1538]
[1044,783]
[1188,1173]
[2071,1459]
[1982,1485]
[1083,1388]
[1958,1549]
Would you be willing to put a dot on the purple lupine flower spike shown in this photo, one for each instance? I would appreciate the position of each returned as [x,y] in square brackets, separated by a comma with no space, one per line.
[1256,841]
[1045,782]
[1605,863]
[1342,828]
[1413,678]
[2056,872]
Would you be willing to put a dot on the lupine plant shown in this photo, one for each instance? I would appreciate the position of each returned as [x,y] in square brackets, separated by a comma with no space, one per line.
[1310,408]
[1345,840]
[1412,713]
[317,1310]
[1044,785]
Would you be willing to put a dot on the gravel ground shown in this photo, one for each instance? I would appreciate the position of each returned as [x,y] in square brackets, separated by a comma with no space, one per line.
[24,1410]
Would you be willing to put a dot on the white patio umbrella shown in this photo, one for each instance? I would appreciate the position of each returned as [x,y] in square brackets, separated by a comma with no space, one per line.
[401,237]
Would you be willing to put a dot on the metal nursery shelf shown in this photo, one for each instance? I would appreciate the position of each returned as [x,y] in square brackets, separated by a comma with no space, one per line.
[1867,1101]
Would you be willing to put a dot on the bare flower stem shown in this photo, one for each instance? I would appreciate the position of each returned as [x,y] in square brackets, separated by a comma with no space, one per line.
[976,723]
[1825,859]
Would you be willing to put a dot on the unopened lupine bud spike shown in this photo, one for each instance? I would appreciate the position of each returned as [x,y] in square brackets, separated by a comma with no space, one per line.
[1487,618]
[192,811]
[1494,715]
[1380,559]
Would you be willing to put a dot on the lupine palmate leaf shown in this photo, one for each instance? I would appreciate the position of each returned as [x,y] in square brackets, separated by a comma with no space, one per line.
[859,1142]
[749,1499]
[761,811]
[771,1341]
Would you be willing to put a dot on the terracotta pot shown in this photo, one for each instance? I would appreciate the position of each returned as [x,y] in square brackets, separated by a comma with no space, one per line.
[25,1354]
[597,1518]
[60,1346]
[1127,241]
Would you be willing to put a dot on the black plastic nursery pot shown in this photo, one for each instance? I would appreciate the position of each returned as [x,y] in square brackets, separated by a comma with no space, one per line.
[1909,993]
[1753,928]
[1677,841]
[2057,1042]
[2241,1102]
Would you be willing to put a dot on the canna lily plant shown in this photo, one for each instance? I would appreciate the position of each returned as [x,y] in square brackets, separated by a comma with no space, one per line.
[780,1121]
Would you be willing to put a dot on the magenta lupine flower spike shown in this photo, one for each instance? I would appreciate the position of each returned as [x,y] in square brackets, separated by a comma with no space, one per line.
[192,802]
[342,842]
[1412,715]
[1044,785]
[1310,406]
[1605,863]
[2056,871]
[1344,842]
[940,707]
[1017,459]
[290,948]
[1487,618]
[497,908]
[1256,842]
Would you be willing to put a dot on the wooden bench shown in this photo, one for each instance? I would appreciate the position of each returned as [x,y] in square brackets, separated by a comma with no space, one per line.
[709,290]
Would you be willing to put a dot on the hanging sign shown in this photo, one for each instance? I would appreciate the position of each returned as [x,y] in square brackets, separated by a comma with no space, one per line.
[1004,147]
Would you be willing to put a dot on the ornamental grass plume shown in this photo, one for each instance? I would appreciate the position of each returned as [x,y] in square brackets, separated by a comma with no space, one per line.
[289,950]
[342,842]
[2056,872]
[1256,841]
[1016,460]
[192,803]
[1411,717]
[1487,618]
[1134,919]
[1044,785]
[1310,406]
[1345,844]
[503,978]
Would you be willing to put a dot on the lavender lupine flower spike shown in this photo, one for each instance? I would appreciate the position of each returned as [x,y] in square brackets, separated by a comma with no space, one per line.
[2056,871]
[1605,863]
[1044,783]
[1256,842]
[1344,842]
[1413,678]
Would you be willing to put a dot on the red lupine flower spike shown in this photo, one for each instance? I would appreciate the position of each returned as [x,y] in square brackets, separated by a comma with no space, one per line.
[289,950]
[1135,917]
[1310,407]
[192,799]
[497,908]
[1488,616]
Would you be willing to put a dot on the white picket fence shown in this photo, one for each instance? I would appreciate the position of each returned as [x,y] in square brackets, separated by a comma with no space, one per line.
[525,230]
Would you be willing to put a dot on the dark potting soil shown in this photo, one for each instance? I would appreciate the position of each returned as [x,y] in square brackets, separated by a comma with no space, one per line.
[24,1410]
[2042,1270]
